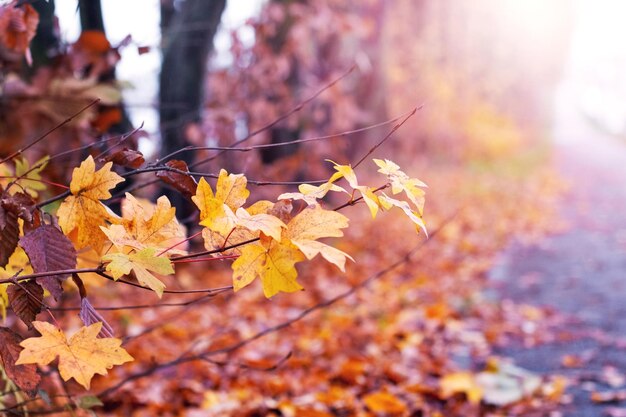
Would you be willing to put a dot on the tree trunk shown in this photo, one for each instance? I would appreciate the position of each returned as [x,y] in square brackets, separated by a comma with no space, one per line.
[187,40]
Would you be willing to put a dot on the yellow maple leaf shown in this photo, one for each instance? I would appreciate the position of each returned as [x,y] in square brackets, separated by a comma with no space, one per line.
[214,213]
[82,211]
[229,233]
[311,193]
[273,262]
[402,182]
[83,356]
[141,263]
[145,224]
[314,223]
[388,202]
[266,223]
[344,171]
[231,189]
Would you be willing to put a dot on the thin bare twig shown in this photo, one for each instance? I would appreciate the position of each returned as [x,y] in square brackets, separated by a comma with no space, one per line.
[40,138]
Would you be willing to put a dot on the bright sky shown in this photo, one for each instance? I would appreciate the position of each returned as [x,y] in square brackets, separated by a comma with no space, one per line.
[597,68]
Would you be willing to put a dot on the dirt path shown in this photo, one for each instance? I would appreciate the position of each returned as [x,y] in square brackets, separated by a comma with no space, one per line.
[581,272]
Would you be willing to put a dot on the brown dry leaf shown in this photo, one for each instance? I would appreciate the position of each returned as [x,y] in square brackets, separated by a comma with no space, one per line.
[126,157]
[9,235]
[26,300]
[49,250]
[24,376]
[184,183]
[83,356]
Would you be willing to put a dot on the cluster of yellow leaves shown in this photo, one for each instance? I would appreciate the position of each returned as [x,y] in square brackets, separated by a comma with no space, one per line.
[146,235]
[397,180]
[139,238]
[278,241]
[272,241]
[80,357]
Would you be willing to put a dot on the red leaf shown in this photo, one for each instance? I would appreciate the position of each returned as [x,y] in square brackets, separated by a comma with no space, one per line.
[184,183]
[49,250]
[26,300]
[9,235]
[24,376]
[127,158]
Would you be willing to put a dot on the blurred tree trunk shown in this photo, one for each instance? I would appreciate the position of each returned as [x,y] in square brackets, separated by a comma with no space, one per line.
[91,19]
[91,15]
[187,34]
[282,132]
[45,45]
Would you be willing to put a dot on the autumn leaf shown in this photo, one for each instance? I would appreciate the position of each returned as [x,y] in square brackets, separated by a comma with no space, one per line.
[83,356]
[367,193]
[344,171]
[184,183]
[83,211]
[125,157]
[49,250]
[401,182]
[388,202]
[26,300]
[266,223]
[311,193]
[461,382]
[141,263]
[18,262]
[384,402]
[217,213]
[144,224]
[89,315]
[212,212]
[314,223]
[273,263]
[24,376]
[9,235]
[29,179]
[231,189]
